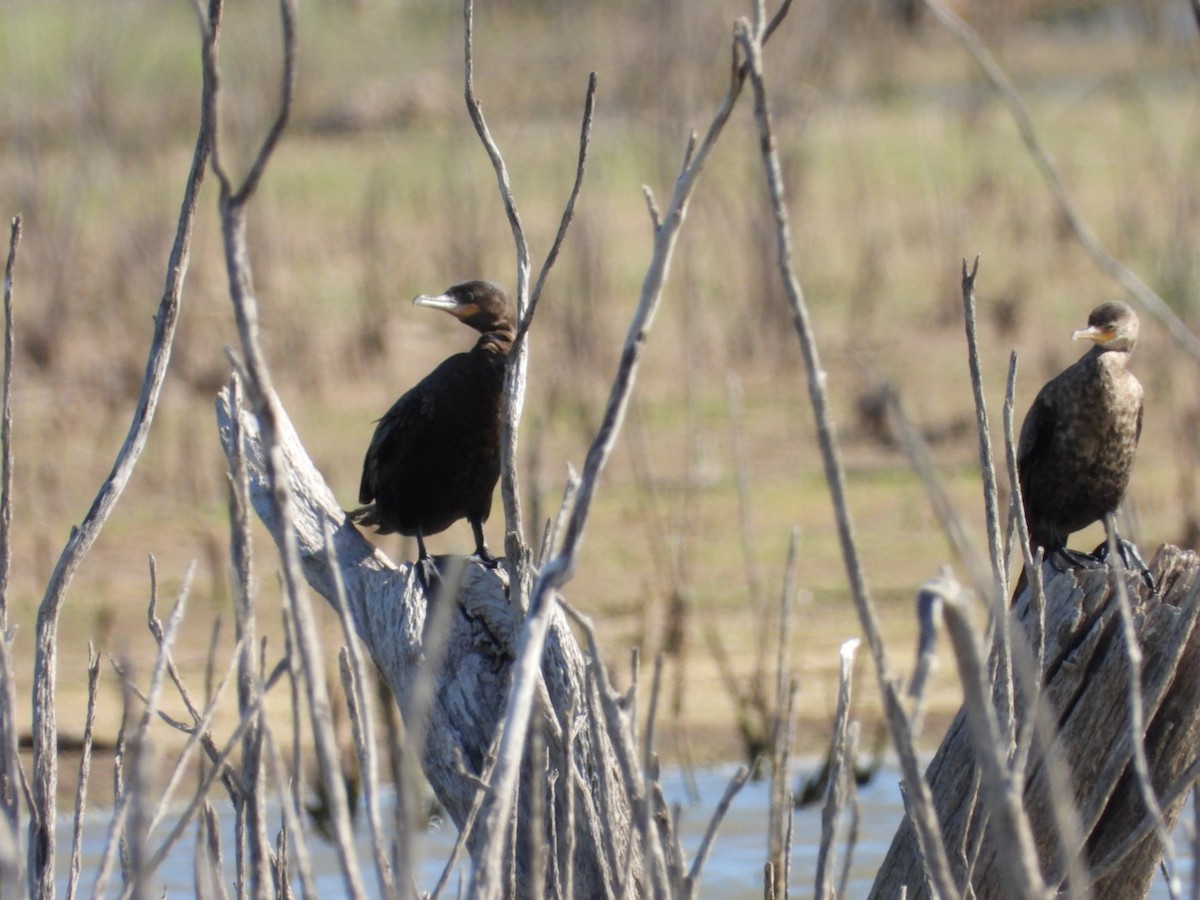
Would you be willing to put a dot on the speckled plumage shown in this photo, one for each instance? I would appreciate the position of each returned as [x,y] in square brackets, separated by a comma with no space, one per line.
[1077,443]
[435,455]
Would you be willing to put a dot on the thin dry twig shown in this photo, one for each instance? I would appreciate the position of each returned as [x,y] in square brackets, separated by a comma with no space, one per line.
[585,140]
[464,833]
[85,769]
[200,794]
[692,882]
[1033,567]
[855,813]
[1002,654]
[210,828]
[782,805]
[6,460]
[841,774]
[131,795]
[10,762]
[514,392]
[194,738]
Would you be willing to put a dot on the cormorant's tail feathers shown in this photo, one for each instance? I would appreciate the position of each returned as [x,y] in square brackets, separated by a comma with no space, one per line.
[368,517]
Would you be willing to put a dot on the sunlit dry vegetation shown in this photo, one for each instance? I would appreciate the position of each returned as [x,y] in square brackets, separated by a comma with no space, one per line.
[899,162]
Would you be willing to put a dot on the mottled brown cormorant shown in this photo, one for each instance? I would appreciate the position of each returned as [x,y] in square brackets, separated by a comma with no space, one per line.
[1078,440]
[435,455]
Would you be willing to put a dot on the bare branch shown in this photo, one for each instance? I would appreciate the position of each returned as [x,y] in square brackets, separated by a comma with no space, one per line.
[987,465]
[485,136]
[585,136]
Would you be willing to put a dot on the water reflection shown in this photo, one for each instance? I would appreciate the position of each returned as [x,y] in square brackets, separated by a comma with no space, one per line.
[734,869]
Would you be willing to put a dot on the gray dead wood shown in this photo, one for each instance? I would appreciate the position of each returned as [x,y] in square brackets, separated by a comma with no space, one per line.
[1085,689]
[389,609]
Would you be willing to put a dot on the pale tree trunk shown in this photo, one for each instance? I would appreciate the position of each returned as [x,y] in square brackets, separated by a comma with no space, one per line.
[393,617]
[1086,709]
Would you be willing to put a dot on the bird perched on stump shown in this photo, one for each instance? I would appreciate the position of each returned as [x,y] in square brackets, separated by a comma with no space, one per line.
[435,455]
[1077,443]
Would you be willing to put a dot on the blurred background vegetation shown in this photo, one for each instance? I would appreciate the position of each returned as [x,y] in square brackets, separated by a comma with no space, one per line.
[899,161]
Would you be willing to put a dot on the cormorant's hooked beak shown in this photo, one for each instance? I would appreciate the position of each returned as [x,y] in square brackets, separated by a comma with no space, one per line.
[439,301]
[449,303]
[1094,334]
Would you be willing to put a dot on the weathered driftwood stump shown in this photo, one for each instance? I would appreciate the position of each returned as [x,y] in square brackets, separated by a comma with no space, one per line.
[1085,689]
[584,794]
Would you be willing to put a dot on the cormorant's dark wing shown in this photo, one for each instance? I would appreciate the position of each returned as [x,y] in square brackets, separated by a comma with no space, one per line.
[1036,433]
[391,442]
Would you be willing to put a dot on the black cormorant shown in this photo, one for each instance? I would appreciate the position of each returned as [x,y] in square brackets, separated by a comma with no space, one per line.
[435,455]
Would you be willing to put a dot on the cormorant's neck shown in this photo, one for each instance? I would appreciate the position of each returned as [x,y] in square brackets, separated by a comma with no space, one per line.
[1112,360]
[497,342]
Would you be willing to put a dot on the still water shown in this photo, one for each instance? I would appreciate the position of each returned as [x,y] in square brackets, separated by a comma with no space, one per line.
[734,869]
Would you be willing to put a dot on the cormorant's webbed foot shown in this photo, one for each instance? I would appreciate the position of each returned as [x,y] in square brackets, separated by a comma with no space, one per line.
[426,565]
[1130,558]
[1077,559]
[428,574]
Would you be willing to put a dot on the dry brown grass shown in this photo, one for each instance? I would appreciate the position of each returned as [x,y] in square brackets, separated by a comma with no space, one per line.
[899,165]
